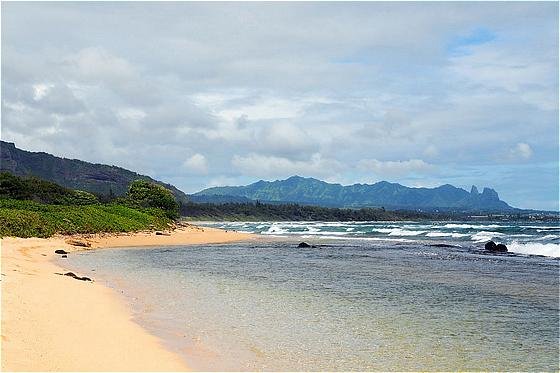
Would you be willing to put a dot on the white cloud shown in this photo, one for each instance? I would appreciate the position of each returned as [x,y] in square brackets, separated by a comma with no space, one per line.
[40,90]
[196,163]
[101,66]
[522,151]
[265,108]
[277,167]
[396,168]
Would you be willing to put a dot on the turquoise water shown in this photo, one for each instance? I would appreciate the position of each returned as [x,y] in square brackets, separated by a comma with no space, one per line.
[347,304]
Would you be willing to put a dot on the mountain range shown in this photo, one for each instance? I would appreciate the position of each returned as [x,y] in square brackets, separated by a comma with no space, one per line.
[95,178]
[103,179]
[393,196]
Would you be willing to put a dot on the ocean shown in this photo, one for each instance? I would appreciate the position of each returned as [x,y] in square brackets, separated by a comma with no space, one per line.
[368,296]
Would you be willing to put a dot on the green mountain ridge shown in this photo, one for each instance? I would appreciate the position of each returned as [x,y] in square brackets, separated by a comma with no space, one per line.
[105,180]
[95,178]
[297,189]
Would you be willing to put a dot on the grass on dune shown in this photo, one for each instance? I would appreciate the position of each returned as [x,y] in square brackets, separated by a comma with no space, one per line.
[22,218]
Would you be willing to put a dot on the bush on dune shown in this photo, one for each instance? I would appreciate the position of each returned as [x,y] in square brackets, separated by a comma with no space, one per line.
[35,189]
[145,194]
[32,219]
[31,207]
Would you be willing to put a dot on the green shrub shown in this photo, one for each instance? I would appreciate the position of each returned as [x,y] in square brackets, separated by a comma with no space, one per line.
[35,189]
[145,194]
[31,219]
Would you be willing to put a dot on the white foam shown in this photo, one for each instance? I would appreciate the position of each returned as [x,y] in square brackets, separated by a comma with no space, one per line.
[398,231]
[383,230]
[546,249]
[485,236]
[540,227]
[548,237]
[470,226]
[274,230]
[447,234]
[361,238]
[404,232]
[319,233]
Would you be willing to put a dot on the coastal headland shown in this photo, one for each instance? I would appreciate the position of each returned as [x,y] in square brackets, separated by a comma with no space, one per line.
[52,322]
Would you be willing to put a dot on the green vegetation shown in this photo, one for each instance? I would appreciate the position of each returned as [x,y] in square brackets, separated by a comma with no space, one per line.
[104,181]
[145,194]
[42,191]
[31,207]
[32,219]
[284,212]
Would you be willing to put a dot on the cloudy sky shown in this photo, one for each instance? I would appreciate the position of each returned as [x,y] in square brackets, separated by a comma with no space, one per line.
[206,94]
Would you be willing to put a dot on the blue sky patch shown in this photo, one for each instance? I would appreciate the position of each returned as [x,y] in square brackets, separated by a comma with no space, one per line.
[460,44]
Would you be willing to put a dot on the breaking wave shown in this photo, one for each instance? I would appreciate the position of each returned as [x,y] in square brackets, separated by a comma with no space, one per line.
[545,249]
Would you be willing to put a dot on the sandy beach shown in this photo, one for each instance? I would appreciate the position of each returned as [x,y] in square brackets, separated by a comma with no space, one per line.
[52,322]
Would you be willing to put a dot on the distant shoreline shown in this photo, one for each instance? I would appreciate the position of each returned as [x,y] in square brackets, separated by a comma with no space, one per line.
[57,323]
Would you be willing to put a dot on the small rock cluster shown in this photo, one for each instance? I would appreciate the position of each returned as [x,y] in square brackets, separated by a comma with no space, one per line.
[499,248]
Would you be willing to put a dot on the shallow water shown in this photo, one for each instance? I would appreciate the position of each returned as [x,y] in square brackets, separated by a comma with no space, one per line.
[345,305]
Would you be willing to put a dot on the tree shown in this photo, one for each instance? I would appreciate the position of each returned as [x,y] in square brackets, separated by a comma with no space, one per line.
[145,194]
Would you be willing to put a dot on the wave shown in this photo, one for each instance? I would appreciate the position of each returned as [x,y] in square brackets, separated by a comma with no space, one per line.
[398,231]
[545,249]
[540,227]
[275,230]
[470,226]
[311,233]
[404,232]
[548,237]
[350,238]
[485,236]
[447,234]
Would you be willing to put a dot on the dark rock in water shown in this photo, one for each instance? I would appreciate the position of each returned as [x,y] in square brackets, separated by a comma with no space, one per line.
[60,252]
[490,246]
[501,248]
[442,245]
[303,244]
[159,233]
[65,256]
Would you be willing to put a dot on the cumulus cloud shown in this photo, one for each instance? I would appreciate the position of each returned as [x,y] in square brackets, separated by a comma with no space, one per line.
[277,167]
[396,168]
[98,65]
[521,151]
[196,163]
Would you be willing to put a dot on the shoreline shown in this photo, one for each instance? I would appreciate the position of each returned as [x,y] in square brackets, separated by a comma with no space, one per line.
[57,323]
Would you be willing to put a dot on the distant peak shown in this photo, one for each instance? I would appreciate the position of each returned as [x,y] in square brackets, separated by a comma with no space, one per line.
[490,193]
[474,189]
[446,186]
[296,177]
[299,179]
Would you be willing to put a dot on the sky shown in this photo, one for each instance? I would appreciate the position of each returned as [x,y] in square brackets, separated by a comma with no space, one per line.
[211,94]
